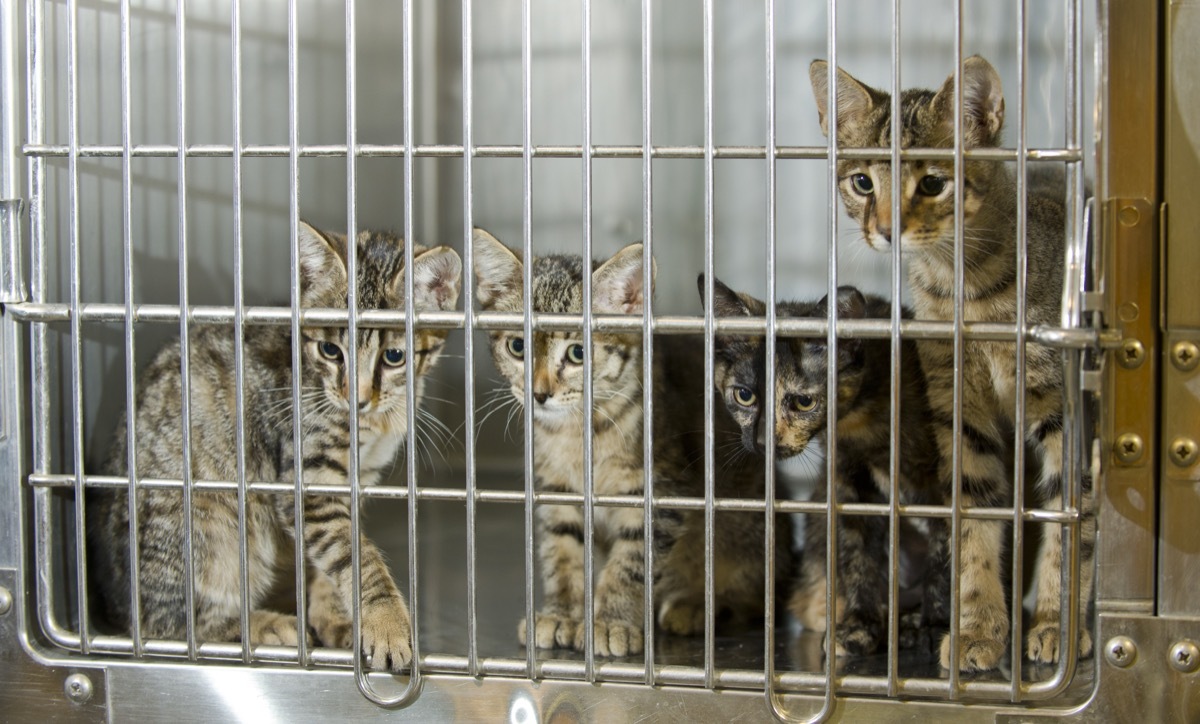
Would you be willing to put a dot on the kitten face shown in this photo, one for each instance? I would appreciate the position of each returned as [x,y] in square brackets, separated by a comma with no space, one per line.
[558,357]
[927,187]
[381,354]
[801,369]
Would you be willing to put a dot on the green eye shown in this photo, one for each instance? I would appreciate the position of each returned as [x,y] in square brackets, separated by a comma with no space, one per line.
[804,403]
[744,396]
[330,351]
[931,185]
[516,347]
[862,184]
[393,357]
[575,354]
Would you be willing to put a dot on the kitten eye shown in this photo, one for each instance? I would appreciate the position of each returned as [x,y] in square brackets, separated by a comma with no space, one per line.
[862,184]
[393,357]
[804,403]
[931,185]
[744,396]
[330,351]
[516,347]
[575,354]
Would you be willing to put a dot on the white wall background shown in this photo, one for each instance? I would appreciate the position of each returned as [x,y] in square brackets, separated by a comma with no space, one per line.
[864,36]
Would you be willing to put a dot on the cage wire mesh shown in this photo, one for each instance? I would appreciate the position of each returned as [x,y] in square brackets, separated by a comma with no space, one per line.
[172,146]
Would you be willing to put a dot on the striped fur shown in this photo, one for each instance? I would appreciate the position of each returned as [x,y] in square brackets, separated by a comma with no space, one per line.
[989,373]
[863,456]
[677,467]
[269,456]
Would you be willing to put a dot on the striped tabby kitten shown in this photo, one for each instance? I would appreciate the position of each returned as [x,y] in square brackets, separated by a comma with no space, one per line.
[926,231]
[270,457]
[863,453]
[618,458]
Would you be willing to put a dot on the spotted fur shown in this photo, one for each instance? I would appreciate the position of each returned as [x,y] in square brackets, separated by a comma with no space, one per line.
[677,467]
[270,457]
[989,374]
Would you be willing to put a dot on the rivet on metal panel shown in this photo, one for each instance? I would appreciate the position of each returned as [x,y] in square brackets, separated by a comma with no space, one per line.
[1183,451]
[1185,355]
[1129,216]
[1185,657]
[78,688]
[1132,354]
[5,600]
[1128,448]
[1120,651]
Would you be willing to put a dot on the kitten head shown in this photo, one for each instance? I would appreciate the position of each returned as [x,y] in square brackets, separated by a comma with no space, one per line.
[801,368]
[557,281]
[927,121]
[380,354]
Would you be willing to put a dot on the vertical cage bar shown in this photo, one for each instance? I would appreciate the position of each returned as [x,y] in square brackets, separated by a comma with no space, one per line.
[12,280]
[351,36]
[527,319]
[709,343]
[239,342]
[589,533]
[894,469]
[769,378]
[135,604]
[77,410]
[293,40]
[648,337]
[959,356]
[185,383]
[468,140]
[1018,532]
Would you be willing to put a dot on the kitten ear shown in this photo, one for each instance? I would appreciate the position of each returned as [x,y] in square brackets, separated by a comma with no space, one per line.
[497,268]
[854,99]
[617,286]
[851,305]
[437,274]
[728,303]
[322,262]
[983,103]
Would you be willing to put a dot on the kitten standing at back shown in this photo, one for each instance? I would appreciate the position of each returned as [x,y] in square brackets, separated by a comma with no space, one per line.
[271,457]
[926,232]
[618,418]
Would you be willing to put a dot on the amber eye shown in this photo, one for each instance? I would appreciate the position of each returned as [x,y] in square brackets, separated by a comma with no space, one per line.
[804,403]
[862,184]
[744,396]
[931,185]
[330,351]
[393,357]
[516,347]
[575,354]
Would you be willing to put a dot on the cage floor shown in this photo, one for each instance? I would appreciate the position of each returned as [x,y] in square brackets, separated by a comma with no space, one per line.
[500,584]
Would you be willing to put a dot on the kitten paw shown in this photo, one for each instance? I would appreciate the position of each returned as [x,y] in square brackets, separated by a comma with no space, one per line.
[1042,643]
[386,636]
[551,630]
[334,632]
[274,629]
[612,638]
[682,618]
[976,652]
[855,638]
[918,634]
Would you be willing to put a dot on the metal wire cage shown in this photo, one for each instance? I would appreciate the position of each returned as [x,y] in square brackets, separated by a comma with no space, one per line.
[168,151]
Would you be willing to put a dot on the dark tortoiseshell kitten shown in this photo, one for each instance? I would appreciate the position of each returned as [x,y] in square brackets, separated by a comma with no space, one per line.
[863,453]
[270,456]
[926,236]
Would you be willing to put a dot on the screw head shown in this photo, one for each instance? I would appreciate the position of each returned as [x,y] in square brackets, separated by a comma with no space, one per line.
[1128,448]
[6,600]
[1120,651]
[78,688]
[1185,355]
[1185,657]
[1132,354]
[1183,451]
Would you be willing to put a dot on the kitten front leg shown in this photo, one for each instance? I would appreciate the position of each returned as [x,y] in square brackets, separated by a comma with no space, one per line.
[386,628]
[561,528]
[620,591]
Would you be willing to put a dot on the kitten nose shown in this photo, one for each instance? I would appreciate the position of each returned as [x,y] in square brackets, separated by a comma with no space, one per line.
[363,404]
[886,232]
[541,397]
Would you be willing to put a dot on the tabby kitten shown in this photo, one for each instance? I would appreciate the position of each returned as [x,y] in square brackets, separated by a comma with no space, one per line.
[863,458]
[678,426]
[926,232]
[270,456]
